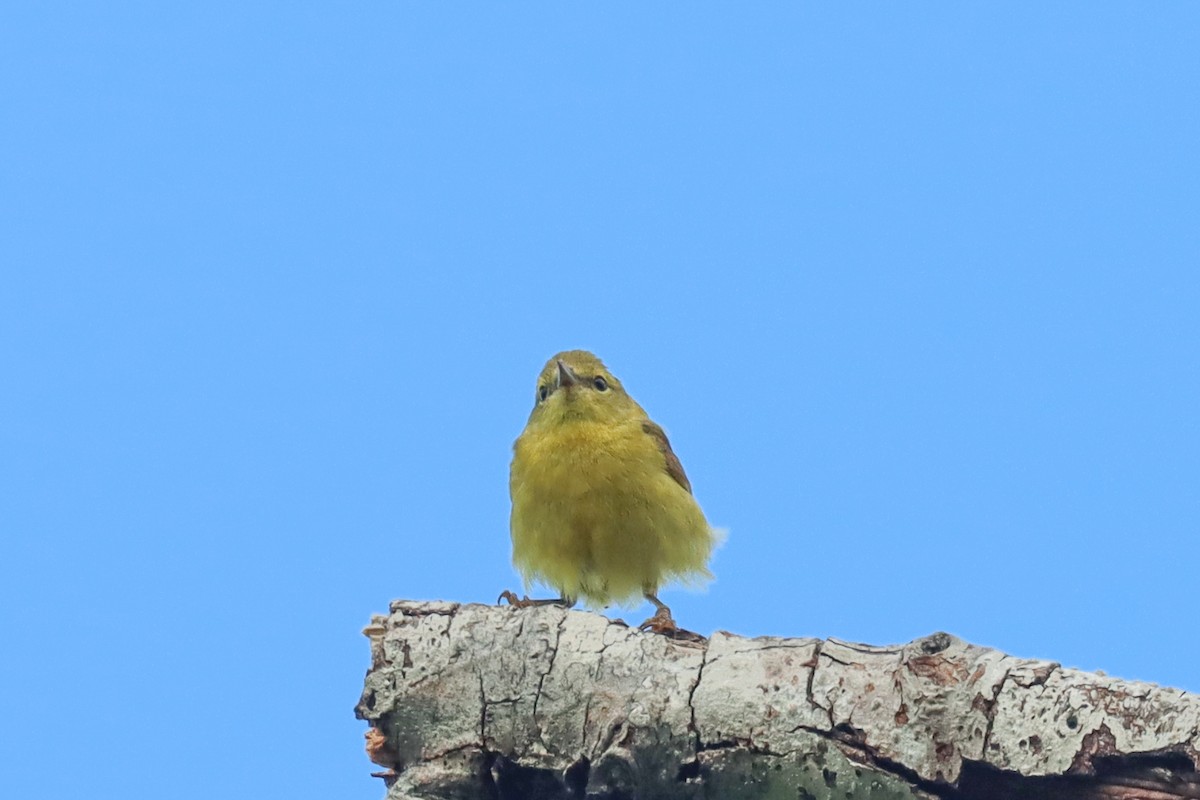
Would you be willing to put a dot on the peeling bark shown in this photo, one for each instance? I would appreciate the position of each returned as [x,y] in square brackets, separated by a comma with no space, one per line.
[471,701]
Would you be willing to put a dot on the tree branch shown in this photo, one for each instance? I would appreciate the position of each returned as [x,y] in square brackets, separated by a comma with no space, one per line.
[471,701]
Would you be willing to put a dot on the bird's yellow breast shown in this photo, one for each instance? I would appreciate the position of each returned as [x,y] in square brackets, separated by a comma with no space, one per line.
[596,515]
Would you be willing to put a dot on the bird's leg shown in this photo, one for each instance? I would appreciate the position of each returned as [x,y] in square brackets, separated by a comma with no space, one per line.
[662,621]
[525,602]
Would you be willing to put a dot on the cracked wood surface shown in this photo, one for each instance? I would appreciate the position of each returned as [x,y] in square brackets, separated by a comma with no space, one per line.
[496,702]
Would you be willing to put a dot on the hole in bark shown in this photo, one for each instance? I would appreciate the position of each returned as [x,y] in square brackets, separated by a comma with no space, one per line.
[1165,775]
[515,782]
[576,776]
[1142,762]
[719,745]
[487,784]
[688,771]
[849,731]
[1072,722]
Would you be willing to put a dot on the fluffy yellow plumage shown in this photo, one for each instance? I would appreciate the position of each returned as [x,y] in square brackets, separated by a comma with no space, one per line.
[601,507]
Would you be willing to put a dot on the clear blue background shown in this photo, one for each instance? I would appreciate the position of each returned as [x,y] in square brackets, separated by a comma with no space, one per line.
[913,290]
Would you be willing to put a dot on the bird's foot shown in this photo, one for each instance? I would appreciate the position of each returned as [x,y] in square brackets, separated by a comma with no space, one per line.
[661,622]
[526,602]
[513,600]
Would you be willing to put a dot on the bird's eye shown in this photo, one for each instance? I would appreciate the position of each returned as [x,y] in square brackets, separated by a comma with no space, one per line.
[600,384]
[543,393]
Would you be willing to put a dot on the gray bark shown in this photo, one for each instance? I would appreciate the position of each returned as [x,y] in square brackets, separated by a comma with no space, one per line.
[471,701]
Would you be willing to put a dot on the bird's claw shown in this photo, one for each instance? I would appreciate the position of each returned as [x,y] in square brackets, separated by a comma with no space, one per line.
[513,600]
[661,622]
[526,602]
[664,624]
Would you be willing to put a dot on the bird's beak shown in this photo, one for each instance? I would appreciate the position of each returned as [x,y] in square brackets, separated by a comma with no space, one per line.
[566,376]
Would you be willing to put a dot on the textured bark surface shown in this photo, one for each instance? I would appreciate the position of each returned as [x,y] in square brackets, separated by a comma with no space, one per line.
[471,701]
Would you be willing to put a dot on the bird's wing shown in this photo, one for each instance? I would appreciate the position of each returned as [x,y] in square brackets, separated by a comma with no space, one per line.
[674,467]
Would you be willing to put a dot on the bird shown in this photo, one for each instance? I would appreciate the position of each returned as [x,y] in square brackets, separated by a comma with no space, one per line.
[602,509]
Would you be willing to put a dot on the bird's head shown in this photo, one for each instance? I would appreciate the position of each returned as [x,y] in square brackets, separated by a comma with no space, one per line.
[575,384]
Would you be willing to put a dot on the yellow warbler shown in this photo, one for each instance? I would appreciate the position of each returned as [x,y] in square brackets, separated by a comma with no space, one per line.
[601,507]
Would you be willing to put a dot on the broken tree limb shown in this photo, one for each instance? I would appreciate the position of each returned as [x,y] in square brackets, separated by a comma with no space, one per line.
[472,701]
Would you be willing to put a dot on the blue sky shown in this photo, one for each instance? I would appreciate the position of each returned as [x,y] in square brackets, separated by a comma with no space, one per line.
[913,290]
